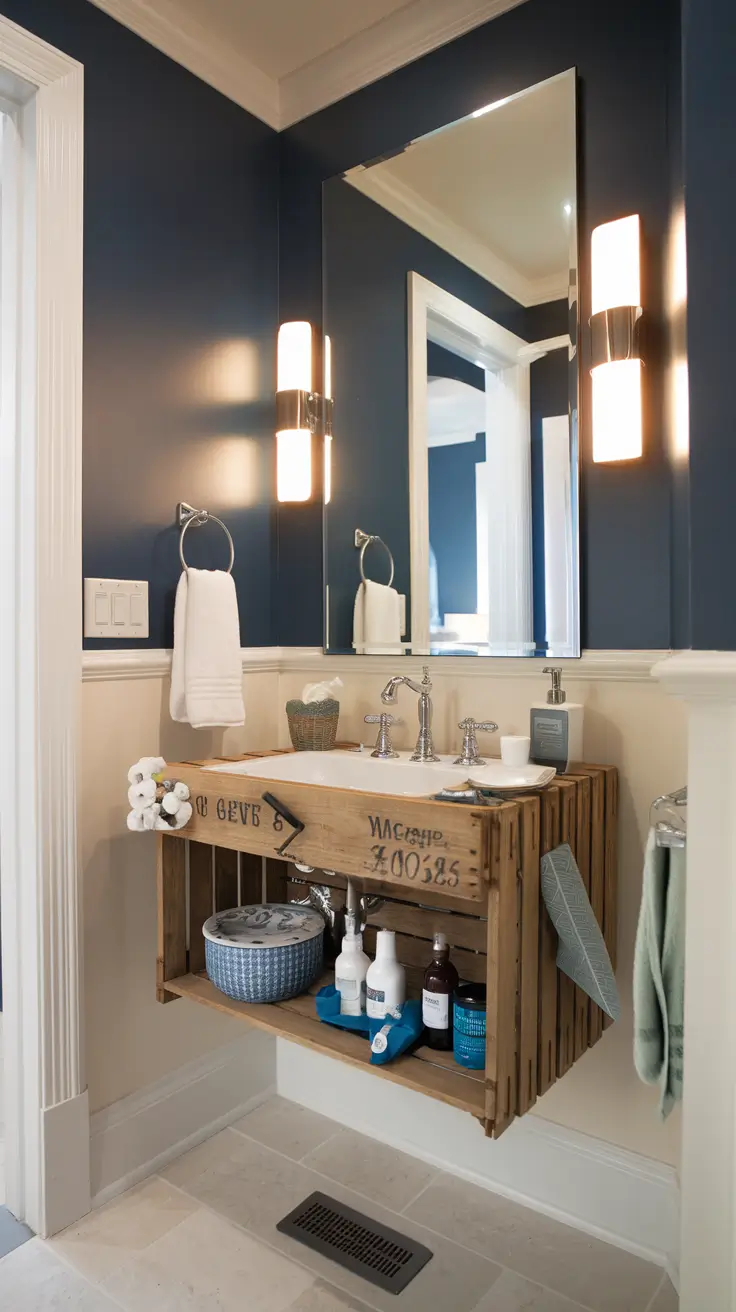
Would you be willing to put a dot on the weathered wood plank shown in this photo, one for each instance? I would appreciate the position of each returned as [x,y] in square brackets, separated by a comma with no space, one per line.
[528,989]
[565,986]
[550,838]
[503,955]
[437,1081]
[171,959]
[201,900]
[226,879]
[410,842]
[610,893]
[583,858]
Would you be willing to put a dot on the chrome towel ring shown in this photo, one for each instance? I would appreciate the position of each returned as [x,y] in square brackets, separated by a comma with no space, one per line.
[186,516]
[364,540]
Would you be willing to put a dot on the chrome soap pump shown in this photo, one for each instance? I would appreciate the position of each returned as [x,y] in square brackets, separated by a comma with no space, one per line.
[556,726]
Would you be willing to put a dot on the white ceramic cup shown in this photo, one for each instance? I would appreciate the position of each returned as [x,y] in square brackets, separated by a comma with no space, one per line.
[515,749]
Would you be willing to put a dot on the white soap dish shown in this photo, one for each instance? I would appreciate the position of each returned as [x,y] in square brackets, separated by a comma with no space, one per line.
[510,778]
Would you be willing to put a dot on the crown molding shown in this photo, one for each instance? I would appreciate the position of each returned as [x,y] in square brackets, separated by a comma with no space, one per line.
[192,45]
[407,204]
[398,39]
[155,663]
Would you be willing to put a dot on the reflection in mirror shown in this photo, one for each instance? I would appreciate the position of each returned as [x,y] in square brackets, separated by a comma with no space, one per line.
[451,304]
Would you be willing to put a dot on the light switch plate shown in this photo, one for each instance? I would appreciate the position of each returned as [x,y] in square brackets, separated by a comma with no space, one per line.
[115,608]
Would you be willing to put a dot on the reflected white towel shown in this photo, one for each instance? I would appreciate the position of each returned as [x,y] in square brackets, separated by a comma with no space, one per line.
[377,620]
[206,668]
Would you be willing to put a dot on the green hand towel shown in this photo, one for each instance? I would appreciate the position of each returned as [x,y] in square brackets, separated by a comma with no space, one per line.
[659,973]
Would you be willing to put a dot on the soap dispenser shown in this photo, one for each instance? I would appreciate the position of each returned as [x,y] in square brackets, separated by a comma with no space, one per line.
[556,727]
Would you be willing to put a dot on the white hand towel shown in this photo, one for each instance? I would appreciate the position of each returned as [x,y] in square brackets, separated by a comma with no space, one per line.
[377,620]
[206,668]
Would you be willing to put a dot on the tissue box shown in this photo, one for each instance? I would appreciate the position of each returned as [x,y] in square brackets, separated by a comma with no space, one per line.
[313,725]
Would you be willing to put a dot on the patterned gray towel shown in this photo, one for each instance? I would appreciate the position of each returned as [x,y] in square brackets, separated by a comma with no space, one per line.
[582,953]
[659,974]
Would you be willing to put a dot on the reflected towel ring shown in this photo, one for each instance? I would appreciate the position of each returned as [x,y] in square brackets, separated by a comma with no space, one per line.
[364,540]
[186,516]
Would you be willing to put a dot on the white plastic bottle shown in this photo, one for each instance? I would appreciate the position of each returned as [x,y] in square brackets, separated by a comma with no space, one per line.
[351,969]
[556,727]
[386,978]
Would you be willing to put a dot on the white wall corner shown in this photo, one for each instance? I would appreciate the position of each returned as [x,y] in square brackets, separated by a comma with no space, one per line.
[605,1191]
[706,681]
[140,1134]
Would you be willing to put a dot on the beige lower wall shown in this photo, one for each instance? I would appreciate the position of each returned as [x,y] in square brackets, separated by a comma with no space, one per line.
[632,725]
[132,1040]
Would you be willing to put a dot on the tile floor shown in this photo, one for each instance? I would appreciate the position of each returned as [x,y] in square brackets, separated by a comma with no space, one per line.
[201,1236]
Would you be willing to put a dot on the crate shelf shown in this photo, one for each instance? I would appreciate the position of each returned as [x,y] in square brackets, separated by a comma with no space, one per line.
[473,874]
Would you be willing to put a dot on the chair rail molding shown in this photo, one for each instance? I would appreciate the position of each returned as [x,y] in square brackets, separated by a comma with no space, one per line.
[706,681]
[46,1112]
[155,663]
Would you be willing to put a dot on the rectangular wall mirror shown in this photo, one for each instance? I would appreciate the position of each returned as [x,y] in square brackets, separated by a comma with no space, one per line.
[451,308]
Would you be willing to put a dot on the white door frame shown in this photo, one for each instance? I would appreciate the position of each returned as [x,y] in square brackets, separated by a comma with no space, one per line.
[436,314]
[46,1111]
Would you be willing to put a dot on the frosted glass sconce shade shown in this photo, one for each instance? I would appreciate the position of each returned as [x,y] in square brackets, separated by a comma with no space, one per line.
[616,363]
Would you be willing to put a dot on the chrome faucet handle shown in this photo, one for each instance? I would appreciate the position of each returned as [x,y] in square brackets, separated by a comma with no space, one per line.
[383,749]
[469,751]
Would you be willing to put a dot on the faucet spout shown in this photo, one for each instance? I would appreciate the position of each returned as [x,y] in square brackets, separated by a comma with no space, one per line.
[424,750]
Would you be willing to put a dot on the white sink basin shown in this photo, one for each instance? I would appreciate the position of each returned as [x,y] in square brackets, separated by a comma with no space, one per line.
[358,771]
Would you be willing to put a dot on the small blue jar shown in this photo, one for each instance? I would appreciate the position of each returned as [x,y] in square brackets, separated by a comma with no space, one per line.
[469,1026]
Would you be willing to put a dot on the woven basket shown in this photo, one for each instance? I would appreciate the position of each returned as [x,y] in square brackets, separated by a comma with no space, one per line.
[313,725]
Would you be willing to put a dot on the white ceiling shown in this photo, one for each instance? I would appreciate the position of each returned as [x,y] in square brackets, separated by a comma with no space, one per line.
[286,59]
[492,190]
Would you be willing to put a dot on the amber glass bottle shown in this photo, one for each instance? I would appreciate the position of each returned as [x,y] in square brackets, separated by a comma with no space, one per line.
[440,982]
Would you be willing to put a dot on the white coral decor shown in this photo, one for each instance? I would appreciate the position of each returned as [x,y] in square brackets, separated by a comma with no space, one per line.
[156,803]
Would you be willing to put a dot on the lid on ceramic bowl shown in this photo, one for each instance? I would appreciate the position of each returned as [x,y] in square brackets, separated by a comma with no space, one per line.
[268,925]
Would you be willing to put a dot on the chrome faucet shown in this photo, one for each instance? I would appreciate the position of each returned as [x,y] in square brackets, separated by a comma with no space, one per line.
[424,750]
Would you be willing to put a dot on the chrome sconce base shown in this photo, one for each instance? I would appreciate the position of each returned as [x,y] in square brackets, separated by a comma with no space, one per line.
[615,335]
[296,409]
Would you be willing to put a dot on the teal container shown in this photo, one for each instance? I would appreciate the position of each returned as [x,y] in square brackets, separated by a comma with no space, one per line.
[469,1026]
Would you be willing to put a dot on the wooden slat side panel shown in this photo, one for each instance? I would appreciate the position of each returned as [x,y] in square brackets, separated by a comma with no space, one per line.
[226,879]
[200,901]
[610,893]
[597,873]
[528,1002]
[171,959]
[565,986]
[503,956]
[583,858]
[547,1063]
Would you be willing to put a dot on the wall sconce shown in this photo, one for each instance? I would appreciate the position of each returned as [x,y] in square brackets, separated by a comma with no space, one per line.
[616,360]
[328,422]
[300,412]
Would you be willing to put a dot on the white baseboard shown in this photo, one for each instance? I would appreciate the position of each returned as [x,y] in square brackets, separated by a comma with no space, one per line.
[142,1133]
[615,1195]
[65,1147]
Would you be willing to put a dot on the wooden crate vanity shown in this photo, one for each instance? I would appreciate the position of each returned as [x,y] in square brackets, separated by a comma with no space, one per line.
[471,873]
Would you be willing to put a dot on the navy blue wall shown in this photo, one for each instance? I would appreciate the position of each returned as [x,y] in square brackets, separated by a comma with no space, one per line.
[710,189]
[629,118]
[180,258]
